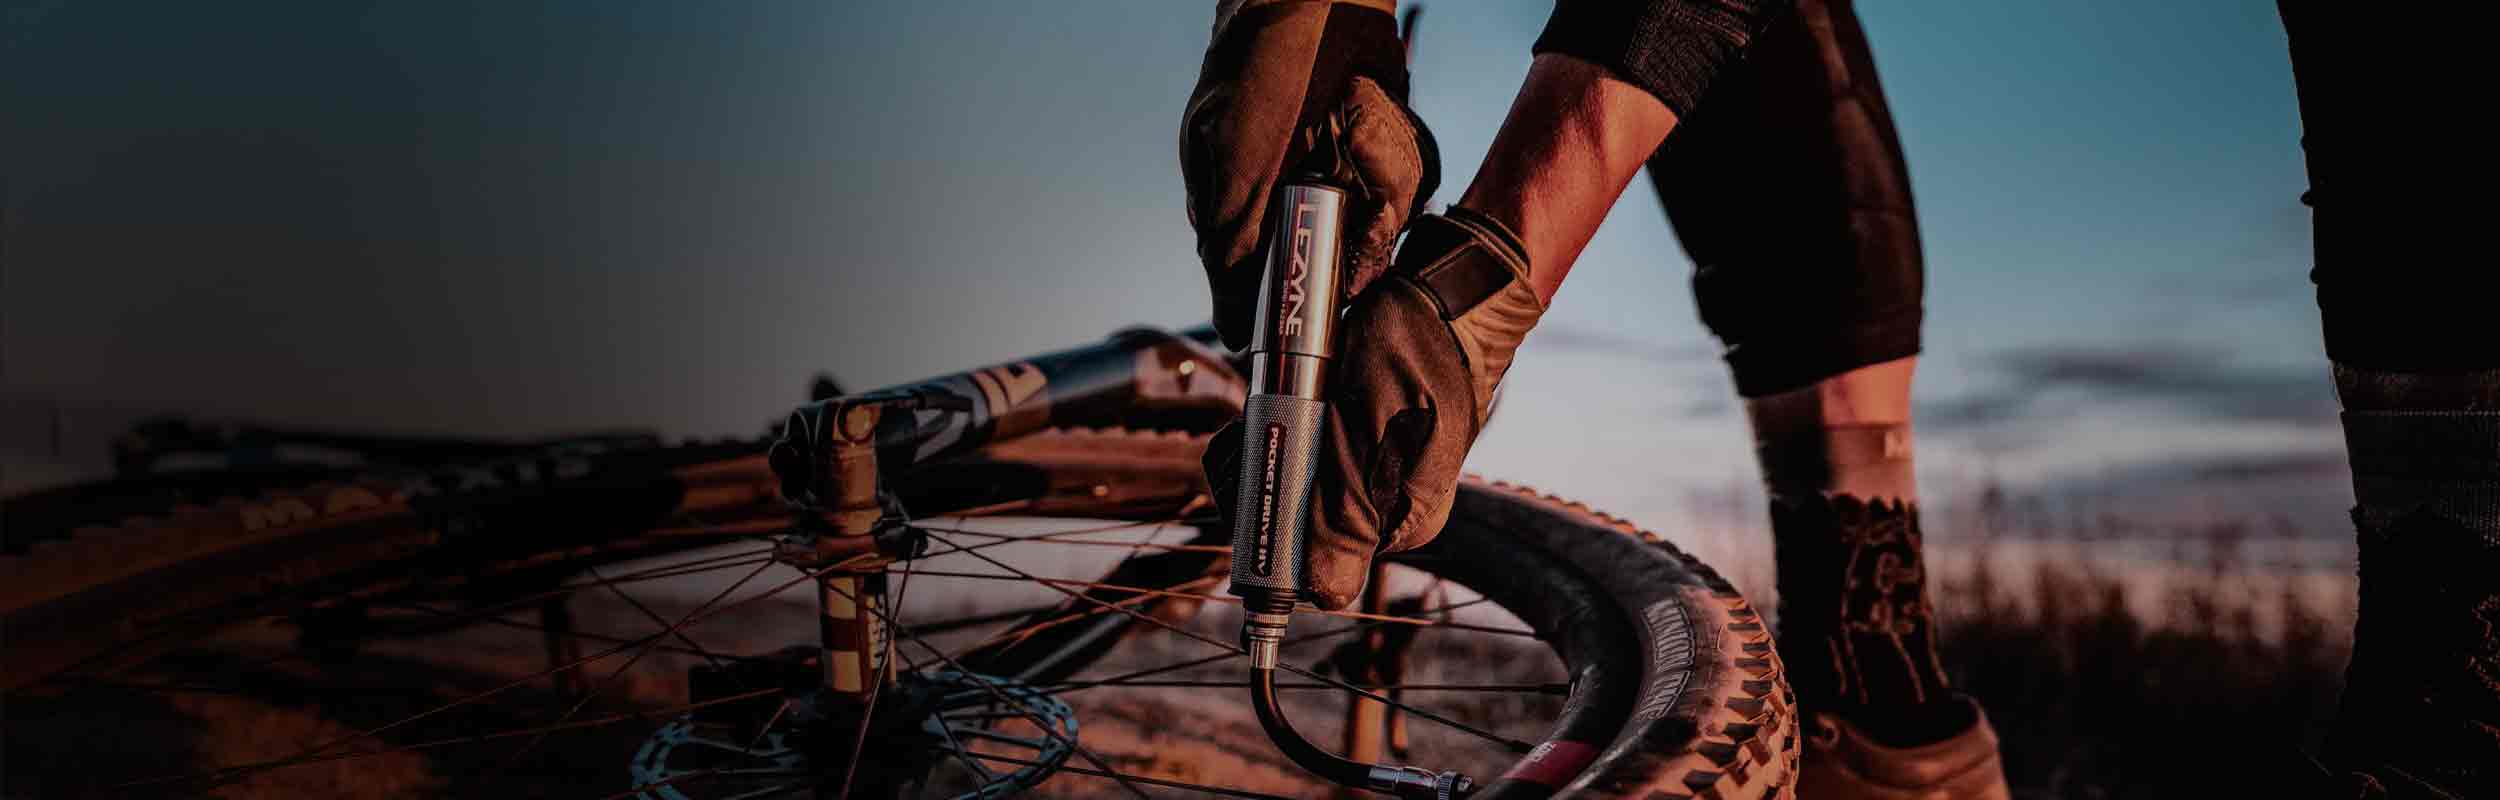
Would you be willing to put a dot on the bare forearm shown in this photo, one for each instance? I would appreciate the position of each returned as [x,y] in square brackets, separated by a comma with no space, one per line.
[1574,139]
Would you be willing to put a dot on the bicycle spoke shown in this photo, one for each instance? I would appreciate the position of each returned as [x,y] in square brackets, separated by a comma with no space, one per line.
[1227,599]
[694,567]
[1290,641]
[1166,522]
[767,727]
[1111,528]
[1003,539]
[1031,629]
[645,650]
[204,631]
[744,559]
[630,716]
[1027,631]
[1168,548]
[975,620]
[948,731]
[1483,688]
[1456,626]
[960,751]
[689,567]
[531,626]
[654,616]
[935,573]
[1054,538]
[224,778]
[1505,741]
[992,688]
[1143,595]
[681,569]
[1389,618]
[1171,784]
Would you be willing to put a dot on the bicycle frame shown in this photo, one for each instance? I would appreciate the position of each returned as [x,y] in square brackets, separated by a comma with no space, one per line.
[1138,377]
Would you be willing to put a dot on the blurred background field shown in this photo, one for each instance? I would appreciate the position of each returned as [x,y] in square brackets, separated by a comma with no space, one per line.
[2108,677]
[2116,660]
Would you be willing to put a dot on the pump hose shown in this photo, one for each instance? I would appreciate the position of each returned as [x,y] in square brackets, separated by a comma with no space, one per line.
[1263,628]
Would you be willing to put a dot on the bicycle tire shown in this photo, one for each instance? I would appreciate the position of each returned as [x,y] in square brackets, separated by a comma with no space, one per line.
[1714,715]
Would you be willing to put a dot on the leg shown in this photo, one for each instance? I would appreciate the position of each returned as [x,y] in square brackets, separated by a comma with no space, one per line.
[2417,366]
[1787,187]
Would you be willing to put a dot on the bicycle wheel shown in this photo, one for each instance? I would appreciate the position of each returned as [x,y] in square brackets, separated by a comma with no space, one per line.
[1660,678]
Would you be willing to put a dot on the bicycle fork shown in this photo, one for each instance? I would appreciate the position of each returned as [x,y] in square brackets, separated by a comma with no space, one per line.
[1281,426]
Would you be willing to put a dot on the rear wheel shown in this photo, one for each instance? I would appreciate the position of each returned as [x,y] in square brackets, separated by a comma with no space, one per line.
[1548,648]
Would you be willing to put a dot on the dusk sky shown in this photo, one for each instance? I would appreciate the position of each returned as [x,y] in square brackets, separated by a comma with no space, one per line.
[509,218]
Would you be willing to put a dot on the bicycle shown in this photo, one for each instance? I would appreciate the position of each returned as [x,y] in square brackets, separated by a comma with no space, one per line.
[1667,684]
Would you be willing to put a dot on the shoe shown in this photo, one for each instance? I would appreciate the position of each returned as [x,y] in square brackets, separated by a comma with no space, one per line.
[1842,762]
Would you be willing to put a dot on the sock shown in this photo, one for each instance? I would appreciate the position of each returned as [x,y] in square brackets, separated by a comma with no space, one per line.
[1855,625]
[2421,704]
[2443,463]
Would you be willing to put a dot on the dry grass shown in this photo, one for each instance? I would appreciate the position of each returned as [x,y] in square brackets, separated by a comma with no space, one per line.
[2211,667]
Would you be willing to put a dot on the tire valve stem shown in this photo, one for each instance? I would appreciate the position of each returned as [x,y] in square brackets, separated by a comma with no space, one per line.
[1281,418]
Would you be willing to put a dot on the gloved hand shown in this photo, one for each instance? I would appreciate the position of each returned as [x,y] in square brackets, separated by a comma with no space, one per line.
[1279,76]
[1418,357]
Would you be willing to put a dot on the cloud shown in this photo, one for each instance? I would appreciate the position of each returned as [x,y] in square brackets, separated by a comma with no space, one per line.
[2198,382]
[1976,410]
[1699,386]
[2290,464]
[2206,473]
[2309,485]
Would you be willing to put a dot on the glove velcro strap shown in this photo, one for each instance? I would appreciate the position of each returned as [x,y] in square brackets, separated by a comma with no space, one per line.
[1474,256]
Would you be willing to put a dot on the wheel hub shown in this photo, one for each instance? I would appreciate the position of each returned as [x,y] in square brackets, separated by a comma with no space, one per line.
[1001,736]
